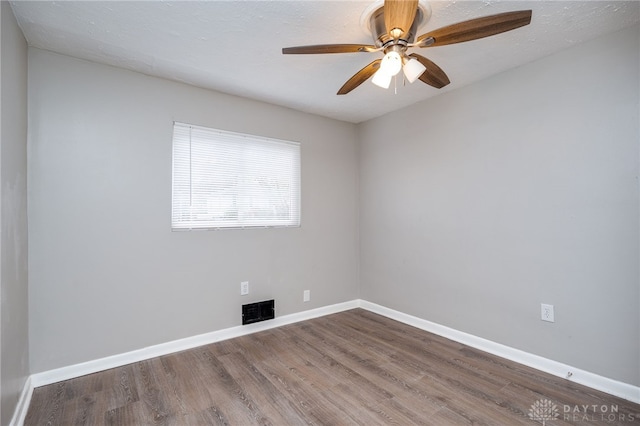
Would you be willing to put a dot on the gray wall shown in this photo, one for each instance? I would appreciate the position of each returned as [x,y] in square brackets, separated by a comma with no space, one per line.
[522,189]
[14,342]
[107,275]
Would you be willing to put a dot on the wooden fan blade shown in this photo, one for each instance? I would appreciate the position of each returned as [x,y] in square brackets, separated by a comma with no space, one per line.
[329,48]
[433,76]
[399,16]
[478,28]
[360,77]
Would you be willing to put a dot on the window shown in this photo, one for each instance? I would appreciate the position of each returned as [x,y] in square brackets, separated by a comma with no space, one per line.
[231,180]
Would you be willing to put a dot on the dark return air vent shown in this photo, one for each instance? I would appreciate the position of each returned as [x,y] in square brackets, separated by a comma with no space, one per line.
[259,311]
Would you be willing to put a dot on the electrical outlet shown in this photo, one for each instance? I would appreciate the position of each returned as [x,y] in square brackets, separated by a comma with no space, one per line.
[244,288]
[306,295]
[546,313]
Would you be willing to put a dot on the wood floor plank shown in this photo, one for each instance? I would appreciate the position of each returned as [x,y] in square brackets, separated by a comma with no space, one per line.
[47,405]
[121,387]
[239,408]
[150,391]
[349,368]
[259,388]
[388,375]
[429,356]
[85,410]
[343,368]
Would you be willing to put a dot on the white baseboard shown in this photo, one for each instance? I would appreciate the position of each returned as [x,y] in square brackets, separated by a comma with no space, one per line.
[20,412]
[81,369]
[592,380]
[604,384]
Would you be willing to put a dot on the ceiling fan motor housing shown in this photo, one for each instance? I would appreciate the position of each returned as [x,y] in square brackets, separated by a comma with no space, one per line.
[379,31]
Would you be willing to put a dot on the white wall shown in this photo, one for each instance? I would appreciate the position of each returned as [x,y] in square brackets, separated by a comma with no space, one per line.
[107,275]
[482,203]
[14,342]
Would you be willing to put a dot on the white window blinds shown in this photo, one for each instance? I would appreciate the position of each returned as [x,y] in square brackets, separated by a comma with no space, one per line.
[231,180]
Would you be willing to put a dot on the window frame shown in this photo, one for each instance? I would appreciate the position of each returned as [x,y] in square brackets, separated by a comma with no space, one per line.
[244,151]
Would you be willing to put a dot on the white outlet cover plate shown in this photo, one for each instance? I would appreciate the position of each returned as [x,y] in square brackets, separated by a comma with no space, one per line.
[546,313]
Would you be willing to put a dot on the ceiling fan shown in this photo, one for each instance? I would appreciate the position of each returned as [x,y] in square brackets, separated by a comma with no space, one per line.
[394,27]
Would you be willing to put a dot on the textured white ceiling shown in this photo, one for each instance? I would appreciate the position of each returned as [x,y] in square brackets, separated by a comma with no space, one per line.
[235,46]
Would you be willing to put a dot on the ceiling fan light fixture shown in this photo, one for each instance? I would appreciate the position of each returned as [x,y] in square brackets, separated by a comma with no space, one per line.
[390,66]
[412,69]
[391,63]
[382,79]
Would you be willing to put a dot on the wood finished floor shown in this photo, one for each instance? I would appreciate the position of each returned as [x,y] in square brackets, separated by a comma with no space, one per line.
[354,367]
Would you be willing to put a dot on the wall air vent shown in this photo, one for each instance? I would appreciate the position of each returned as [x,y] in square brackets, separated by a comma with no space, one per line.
[259,311]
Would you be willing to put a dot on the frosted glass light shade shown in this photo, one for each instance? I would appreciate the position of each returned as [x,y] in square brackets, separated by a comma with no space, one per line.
[381,79]
[413,69]
[391,63]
